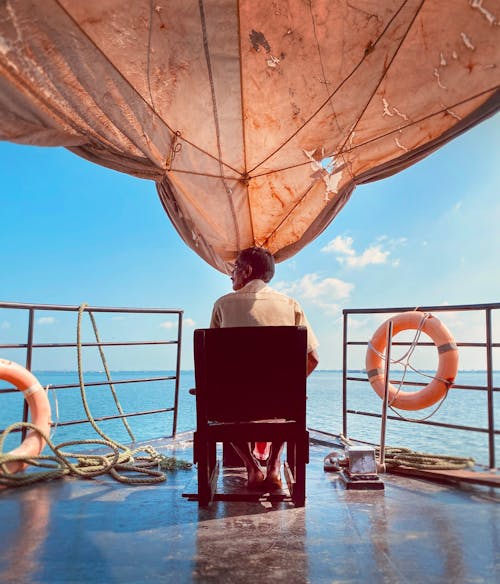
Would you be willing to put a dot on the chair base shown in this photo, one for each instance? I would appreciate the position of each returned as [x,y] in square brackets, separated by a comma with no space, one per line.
[297,456]
[229,484]
[243,497]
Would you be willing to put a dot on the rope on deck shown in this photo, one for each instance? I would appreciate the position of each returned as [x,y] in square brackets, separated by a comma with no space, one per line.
[82,464]
[401,456]
[395,456]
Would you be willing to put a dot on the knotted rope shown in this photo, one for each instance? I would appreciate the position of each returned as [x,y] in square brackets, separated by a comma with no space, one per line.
[395,456]
[400,456]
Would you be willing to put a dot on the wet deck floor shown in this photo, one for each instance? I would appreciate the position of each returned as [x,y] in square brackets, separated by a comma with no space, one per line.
[72,531]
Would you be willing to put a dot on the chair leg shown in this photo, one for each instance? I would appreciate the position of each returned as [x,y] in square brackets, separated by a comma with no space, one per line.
[204,496]
[295,470]
[299,491]
[208,470]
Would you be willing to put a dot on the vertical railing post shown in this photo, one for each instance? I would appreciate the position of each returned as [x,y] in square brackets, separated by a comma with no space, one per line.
[489,382]
[344,376]
[29,360]
[177,372]
[386,394]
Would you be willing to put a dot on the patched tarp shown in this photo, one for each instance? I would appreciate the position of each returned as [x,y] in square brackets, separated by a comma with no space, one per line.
[255,119]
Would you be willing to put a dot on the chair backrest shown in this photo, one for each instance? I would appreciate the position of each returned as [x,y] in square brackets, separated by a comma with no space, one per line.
[250,373]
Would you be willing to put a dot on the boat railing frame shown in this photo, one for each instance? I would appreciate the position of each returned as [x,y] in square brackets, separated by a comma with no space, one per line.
[30,346]
[488,345]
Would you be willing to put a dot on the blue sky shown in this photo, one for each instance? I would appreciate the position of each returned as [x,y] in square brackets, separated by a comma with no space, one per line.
[73,232]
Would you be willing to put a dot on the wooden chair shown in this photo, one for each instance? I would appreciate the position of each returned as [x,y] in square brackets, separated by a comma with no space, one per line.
[251,386]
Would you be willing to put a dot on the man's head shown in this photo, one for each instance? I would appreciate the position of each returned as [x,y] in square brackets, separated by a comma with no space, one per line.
[253,263]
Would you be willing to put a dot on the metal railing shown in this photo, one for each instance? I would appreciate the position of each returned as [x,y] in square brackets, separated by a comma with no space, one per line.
[30,346]
[487,345]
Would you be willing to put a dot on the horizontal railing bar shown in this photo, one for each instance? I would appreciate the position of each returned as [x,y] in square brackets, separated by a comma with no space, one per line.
[112,382]
[422,344]
[102,418]
[59,307]
[331,434]
[453,308]
[426,422]
[102,344]
[423,384]
[106,382]
[118,416]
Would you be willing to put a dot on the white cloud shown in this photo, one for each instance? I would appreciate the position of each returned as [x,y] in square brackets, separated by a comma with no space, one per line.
[371,255]
[377,253]
[5,325]
[189,322]
[340,245]
[320,291]
[311,287]
[391,242]
[457,206]
[46,320]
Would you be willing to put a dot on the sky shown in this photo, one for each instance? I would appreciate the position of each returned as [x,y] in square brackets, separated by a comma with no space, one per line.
[73,232]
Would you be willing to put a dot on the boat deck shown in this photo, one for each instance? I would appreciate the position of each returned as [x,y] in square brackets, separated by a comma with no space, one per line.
[98,530]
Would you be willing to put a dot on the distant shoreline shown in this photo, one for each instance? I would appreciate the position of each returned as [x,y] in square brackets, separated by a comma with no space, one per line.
[45,371]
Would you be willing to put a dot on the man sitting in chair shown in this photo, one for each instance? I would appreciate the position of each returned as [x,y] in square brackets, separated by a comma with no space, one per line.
[254,303]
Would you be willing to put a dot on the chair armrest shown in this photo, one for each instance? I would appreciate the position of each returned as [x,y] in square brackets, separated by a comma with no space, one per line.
[192,391]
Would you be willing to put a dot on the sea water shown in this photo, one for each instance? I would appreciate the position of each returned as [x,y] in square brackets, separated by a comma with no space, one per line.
[324,411]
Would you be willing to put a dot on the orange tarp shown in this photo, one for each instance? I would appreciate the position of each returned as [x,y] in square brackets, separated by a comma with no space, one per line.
[255,119]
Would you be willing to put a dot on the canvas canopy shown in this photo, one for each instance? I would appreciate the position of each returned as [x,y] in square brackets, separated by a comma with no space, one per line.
[256,119]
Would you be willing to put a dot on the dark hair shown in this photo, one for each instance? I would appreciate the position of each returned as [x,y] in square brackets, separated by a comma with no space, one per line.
[261,260]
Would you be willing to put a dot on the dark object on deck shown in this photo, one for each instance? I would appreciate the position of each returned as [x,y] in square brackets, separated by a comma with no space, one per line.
[251,386]
[361,482]
[333,462]
[361,472]
[357,470]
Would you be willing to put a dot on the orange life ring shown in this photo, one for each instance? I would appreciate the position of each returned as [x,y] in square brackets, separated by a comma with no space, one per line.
[39,407]
[447,366]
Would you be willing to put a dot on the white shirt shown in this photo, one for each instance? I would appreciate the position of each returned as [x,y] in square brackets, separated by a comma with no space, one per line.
[257,304]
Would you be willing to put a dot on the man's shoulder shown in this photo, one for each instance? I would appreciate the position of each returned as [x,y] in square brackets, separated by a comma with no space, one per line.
[261,290]
[224,298]
[279,294]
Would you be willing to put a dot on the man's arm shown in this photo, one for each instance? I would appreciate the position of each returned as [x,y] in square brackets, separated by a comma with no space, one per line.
[312,361]
[215,319]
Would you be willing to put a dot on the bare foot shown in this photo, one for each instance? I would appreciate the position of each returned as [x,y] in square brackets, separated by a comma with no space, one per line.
[255,479]
[273,480]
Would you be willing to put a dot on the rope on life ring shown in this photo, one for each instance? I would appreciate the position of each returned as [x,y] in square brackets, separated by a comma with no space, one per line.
[447,366]
[39,407]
